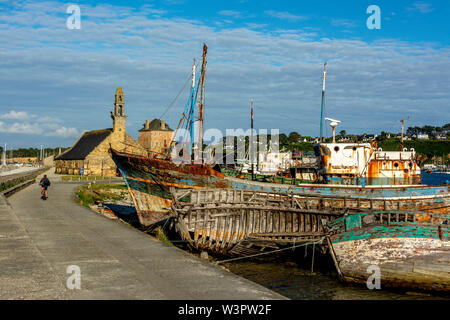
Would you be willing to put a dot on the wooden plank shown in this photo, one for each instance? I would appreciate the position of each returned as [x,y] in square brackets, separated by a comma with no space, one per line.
[204,228]
[225,230]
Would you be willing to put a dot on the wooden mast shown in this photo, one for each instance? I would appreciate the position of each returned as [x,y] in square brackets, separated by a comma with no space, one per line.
[201,105]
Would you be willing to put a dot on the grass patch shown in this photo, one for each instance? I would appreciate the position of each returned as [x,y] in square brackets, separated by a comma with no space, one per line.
[161,236]
[109,187]
[97,193]
[9,184]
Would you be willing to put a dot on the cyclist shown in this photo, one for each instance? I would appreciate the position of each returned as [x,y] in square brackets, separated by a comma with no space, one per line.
[45,183]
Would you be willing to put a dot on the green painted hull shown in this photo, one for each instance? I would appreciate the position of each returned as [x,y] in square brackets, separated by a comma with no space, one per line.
[410,250]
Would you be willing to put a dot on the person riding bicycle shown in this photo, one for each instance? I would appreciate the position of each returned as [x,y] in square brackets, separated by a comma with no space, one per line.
[45,183]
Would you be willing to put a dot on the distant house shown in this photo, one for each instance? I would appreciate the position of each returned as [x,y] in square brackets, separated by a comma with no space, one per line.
[405,136]
[90,154]
[345,140]
[156,136]
[272,162]
[441,136]
[369,137]
[422,136]
[429,166]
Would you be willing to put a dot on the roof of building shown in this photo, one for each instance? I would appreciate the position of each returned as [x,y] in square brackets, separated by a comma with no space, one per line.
[84,146]
[156,125]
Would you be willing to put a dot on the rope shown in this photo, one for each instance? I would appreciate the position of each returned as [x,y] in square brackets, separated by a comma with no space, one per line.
[176,98]
[265,253]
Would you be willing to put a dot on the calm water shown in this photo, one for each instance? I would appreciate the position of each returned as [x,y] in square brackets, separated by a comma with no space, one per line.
[435,178]
[296,282]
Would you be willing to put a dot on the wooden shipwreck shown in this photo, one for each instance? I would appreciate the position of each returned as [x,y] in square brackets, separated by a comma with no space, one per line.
[408,249]
[244,222]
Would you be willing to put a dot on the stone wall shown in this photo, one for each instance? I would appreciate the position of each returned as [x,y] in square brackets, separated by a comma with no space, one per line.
[156,141]
[68,166]
[49,161]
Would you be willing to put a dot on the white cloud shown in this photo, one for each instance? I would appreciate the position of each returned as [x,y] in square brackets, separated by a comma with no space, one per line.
[343,23]
[46,126]
[14,115]
[63,132]
[284,15]
[421,7]
[230,13]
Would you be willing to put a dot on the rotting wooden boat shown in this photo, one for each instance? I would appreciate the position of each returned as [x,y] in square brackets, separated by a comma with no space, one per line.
[149,181]
[239,222]
[149,178]
[411,249]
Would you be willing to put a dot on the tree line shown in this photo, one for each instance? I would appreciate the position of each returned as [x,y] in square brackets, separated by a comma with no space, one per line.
[32,152]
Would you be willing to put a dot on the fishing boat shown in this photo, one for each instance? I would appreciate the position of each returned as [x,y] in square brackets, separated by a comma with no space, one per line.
[150,177]
[404,249]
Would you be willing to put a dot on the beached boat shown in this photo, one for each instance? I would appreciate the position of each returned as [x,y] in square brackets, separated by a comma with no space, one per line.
[149,181]
[238,222]
[149,178]
[411,250]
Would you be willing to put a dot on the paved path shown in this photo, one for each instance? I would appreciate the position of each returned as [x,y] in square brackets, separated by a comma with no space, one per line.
[40,239]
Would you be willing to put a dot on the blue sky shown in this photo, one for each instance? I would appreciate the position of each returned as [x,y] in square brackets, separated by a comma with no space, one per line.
[56,83]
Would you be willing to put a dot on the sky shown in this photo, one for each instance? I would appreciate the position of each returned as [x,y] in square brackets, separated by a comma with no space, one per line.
[56,82]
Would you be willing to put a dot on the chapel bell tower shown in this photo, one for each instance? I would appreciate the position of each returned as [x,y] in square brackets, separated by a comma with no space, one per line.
[118,115]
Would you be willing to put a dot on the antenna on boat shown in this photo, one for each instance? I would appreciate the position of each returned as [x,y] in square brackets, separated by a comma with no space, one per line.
[403,128]
[251,144]
[323,101]
[333,125]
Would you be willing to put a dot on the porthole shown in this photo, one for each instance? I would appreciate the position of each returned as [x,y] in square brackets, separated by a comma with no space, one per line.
[336,148]
[396,164]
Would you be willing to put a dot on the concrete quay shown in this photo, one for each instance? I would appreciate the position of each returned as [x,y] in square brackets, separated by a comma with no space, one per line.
[40,240]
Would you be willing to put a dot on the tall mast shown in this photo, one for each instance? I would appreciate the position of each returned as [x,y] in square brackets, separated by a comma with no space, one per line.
[323,101]
[201,104]
[191,110]
[401,140]
[4,156]
[251,144]
[193,75]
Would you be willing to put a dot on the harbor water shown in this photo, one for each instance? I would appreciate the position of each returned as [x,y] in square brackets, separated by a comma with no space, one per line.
[296,282]
[435,178]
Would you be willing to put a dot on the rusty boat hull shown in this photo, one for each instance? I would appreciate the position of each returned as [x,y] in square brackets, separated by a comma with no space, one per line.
[149,181]
[404,250]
